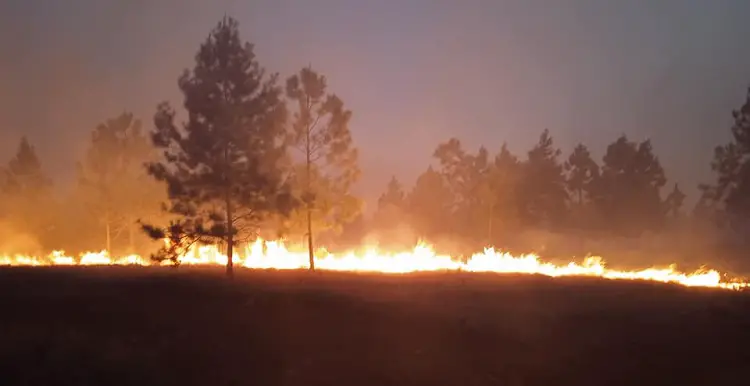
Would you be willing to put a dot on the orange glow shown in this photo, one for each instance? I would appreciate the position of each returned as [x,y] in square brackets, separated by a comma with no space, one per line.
[275,255]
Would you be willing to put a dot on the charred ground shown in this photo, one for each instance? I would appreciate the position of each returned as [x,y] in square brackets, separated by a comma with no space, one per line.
[123,326]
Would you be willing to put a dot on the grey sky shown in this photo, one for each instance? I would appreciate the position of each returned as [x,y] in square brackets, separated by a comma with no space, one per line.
[414,72]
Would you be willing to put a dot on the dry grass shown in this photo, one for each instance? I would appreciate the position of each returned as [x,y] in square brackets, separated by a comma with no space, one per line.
[126,326]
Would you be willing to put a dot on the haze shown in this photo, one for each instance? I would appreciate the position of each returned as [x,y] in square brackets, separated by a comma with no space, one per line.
[414,72]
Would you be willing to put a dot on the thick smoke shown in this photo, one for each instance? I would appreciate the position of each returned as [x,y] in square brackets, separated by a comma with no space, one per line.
[13,241]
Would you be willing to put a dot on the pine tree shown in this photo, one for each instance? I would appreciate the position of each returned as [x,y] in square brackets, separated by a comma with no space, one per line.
[391,204]
[320,131]
[730,194]
[483,192]
[469,179]
[429,204]
[582,172]
[705,208]
[221,166]
[544,195]
[27,193]
[391,215]
[393,196]
[24,175]
[673,202]
[506,177]
[628,192]
[454,171]
[113,180]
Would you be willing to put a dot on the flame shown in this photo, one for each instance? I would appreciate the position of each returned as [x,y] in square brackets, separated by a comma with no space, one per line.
[275,255]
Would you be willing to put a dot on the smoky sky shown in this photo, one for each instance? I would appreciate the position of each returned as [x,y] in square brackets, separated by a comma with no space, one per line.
[414,72]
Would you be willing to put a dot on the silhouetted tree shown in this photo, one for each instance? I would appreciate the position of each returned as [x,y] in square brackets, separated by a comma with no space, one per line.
[27,193]
[469,178]
[581,170]
[114,181]
[673,202]
[706,207]
[221,166]
[582,173]
[454,169]
[429,204]
[483,191]
[391,214]
[544,195]
[482,199]
[24,174]
[393,196]
[628,192]
[506,177]
[730,194]
[391,204]
[320,131]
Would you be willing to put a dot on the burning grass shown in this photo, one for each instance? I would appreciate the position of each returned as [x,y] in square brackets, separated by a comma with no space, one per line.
[423,258]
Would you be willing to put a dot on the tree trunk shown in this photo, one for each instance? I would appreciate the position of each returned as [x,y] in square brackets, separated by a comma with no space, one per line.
[489,223]
[230,256]
[131,238]
[108,230]
[229,238]
[310,239]
[229,235]
[311,256]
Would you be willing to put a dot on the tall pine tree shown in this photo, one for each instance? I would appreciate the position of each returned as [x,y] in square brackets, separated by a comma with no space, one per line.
[673,202]
[543,194]
[628,192]
[730,194]
[391,205]
[24,174]
[391,215]
[506,176]
[429,204]
[27,194]
[221,166]
[393,196]
[328,168]
[582,172]
[455,165]
[469,178]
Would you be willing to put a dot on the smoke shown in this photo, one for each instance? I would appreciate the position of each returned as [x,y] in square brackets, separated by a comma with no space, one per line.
[690,245]
[688,242]
[13,241]
[399,236]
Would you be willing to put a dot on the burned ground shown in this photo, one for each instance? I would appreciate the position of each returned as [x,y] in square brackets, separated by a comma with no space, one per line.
[137,326]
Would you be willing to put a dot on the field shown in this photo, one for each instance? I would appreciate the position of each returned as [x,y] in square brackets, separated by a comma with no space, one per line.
[136,326]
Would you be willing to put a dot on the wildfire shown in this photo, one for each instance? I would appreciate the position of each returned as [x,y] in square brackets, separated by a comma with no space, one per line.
[275,255]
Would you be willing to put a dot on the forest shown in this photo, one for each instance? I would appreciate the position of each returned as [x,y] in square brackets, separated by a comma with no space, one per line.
[252,153]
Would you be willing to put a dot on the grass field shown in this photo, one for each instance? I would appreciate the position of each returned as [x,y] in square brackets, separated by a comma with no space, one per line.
[136,326]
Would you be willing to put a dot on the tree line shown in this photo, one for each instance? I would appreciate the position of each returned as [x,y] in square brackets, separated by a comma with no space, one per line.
[251,155]
[483,197]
